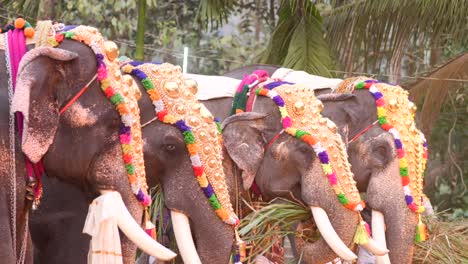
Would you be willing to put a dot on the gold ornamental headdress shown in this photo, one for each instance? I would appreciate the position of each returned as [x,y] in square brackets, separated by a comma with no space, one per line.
[395,113]
[175,103]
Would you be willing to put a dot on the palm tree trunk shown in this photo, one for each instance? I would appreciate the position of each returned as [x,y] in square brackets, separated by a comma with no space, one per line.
[140,42]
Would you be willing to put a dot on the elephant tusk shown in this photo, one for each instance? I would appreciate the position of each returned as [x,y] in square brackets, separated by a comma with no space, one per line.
[135,233]
[378,233]
[183,235]
[375,248]
[329,234]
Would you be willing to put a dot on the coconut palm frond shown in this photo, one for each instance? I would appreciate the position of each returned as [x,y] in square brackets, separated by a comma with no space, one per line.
[214,12]
[357,28]
[431,92]
[297,41]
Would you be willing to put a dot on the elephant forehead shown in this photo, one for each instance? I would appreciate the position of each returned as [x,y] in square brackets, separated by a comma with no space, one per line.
[305,112]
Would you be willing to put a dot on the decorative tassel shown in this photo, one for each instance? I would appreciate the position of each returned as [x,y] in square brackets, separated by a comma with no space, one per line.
[150,228]
[421,231]
[361,236]
[240,249]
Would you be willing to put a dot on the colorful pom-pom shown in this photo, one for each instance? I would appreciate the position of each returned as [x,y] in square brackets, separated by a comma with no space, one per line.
[29,32]
[19,23]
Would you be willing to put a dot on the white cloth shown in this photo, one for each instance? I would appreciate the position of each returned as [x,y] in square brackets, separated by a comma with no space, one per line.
[211,87]
[302,77]
[101,225]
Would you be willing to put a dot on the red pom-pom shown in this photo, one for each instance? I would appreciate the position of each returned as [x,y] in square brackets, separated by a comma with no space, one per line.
[59,37]
[413,207]
[198,171]
[29,32]
[161,115]
[405,180]
[368,85]
[109,92]
[19,23]
[127,158]
[387,127]
[380,102]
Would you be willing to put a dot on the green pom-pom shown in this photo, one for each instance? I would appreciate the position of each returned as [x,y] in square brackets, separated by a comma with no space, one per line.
[382,120]
[130,168]
[342,198]
[361,237]
[300,133]
[69,34]
[240,100]
[257,92]
[147,83]
[188,137]
[117,99]
[404,171]
[214,202]
[218,125]
[360,85]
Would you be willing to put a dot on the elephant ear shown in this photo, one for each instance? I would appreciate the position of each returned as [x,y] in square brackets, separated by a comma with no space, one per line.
[35,98]
[243,140]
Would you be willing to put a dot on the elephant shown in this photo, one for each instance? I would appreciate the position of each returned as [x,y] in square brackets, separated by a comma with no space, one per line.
[48,78]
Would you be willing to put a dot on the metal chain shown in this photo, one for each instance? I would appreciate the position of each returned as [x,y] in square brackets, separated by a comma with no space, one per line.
[24,245]
[12,160]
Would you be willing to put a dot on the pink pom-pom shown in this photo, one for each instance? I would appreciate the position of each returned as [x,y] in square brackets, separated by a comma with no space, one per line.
[401,153]
[125,139]
[332,178]
[146,200]
[102,73]
[380,102]
[287,122]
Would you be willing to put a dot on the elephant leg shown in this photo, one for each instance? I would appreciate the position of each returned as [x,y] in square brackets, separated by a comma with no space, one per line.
[6,241]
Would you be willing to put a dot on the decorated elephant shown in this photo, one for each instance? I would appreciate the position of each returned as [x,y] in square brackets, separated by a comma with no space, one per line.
[376,155]
[59,115]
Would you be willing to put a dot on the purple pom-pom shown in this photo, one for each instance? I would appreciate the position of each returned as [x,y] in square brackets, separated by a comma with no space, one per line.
[425,144]
[124,129]
[398,144]
[208,191]
[409,199]
[323,156]
[140,195]
[377,95]
[182,126]
[278,100]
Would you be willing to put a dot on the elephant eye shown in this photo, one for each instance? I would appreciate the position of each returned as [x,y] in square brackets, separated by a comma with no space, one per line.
[170,147]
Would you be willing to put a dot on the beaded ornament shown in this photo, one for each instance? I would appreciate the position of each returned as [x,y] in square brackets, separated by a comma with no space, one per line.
[395,114]
[124,100]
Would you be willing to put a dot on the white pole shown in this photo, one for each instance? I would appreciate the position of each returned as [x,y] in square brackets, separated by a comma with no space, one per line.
[184,65]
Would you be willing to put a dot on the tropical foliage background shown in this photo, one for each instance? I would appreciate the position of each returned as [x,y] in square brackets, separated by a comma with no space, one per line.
[420,44]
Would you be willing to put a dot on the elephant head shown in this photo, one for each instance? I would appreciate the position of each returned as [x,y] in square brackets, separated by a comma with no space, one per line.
[186,152]
[80,145]
[284,166]
[376,166]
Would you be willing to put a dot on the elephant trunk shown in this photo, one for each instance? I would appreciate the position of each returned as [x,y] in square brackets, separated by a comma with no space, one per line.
[400,221]
[195,222]
[336,223]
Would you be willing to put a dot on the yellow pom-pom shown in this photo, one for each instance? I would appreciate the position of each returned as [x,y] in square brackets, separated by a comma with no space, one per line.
[381,111]
[19,23]
[29,32]
[403,163]
[203,181]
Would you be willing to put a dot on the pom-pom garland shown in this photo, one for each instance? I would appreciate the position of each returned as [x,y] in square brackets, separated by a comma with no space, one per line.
[189,139]
[315,144]
[20,23]
[118,100]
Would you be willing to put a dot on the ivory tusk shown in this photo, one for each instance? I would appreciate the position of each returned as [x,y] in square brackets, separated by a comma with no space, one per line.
[135,233]
[378,233]
[329,234]
[375,248]
[183,235]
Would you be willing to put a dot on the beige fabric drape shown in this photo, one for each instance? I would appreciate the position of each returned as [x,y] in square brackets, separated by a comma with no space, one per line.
[101,225]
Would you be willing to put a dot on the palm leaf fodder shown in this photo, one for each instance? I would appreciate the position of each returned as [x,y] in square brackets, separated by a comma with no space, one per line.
[447,243]
[269,223]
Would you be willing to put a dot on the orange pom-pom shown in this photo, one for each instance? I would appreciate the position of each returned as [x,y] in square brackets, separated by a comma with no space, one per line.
[192,149]
[19,23]
[29,32]
[222,213]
